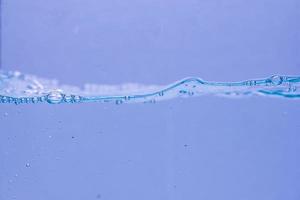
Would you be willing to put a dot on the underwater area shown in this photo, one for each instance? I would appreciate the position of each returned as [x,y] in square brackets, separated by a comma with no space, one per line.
[150,99]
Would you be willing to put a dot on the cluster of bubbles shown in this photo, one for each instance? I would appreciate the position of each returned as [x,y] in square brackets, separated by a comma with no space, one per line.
[54,97]
[36,90]
[57,96]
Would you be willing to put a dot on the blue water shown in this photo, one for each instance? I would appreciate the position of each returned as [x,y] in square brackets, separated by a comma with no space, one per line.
[20,88]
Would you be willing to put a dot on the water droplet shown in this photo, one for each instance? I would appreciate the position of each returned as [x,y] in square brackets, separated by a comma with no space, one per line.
[55,97]
[276,80]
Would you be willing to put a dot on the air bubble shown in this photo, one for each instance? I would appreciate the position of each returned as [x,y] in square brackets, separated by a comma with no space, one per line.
[76,98]
[34,99]
[251,83]
[118,102]
[127,98]
[276,80]
[153,101]
[16,88]
[161,93]
[55,97]
[68,98]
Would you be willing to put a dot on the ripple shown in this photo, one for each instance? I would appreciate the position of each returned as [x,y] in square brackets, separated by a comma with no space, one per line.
[19,88]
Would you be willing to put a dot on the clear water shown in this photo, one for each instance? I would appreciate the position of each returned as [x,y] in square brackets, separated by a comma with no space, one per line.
[21,88]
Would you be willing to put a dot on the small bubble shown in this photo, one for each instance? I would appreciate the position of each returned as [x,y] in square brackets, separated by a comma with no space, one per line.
[68,98]
[76,98]
[3,99]
[55,97]
[118,102]
[5,114]
[127,98]
[27,165]
[161,94]
[17,101]
[292,88]
[190,93]
[182,91]
[251,83]
[42,99]
[276,80]
[34,99]
[150,101]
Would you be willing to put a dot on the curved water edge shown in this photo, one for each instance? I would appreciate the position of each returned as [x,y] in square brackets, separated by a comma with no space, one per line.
[18,88]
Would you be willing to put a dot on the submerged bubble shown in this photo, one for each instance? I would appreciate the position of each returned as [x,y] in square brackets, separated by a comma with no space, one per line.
[118,101]
[55,97]
[34,99]
[161,93]
[76,98]
[183,91]
[150,101]
[276,80]
[127,98]
[251,82]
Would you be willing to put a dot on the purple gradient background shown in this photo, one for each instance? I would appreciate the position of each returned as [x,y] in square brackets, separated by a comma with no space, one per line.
[199,148]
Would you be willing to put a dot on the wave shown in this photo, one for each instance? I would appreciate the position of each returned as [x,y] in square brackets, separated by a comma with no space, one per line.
[18,88]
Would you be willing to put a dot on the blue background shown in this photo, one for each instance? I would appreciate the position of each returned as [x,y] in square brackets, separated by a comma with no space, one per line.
[198,148]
